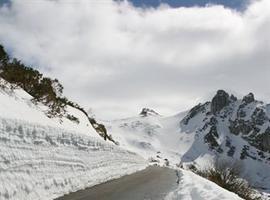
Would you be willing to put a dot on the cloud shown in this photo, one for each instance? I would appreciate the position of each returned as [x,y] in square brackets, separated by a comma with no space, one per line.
[117,58]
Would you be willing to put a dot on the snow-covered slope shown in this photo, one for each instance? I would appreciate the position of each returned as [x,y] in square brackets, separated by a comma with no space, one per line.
[43,158]
[18,104]
[193,187]
[154,137]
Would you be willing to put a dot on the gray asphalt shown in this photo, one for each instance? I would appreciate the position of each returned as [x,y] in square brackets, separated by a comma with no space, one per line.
[152,183]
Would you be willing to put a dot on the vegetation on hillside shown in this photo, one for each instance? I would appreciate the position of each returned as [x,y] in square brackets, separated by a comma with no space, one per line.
[227,175]
[43,89]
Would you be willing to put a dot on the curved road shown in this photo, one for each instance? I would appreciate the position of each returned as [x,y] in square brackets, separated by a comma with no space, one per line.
[152,183]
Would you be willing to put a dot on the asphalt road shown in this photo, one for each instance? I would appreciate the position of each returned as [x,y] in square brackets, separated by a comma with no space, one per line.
[152,183]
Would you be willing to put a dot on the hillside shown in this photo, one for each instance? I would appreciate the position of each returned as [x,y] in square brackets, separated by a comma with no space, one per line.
[45,92]
[43,158]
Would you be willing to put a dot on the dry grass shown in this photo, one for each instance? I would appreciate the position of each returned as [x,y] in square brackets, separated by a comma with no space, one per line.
[227,175]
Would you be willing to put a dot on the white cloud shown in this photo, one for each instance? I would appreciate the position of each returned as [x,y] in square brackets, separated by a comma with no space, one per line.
[116,58]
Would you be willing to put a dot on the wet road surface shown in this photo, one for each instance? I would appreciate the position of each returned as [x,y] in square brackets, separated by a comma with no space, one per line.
[152,183]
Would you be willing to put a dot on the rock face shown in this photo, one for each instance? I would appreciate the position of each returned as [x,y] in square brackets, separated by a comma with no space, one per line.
[265,141]
[249,98]
[231,129]
[220,100]
[245,118]
[194,111]
[233,98]
[148,112]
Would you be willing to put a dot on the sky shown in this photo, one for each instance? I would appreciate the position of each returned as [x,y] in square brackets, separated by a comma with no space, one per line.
[235,4]
[118,57]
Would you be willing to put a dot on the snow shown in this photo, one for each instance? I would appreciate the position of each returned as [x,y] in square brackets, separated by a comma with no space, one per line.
[155,137]
[193,187]
[158,138]
[138,134]
[44,158]
[17,104]
[41,162]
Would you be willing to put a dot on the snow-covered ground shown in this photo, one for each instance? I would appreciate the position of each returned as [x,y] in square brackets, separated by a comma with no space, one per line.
[193,187]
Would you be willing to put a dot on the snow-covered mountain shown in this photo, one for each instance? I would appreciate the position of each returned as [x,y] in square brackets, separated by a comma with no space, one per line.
[45,155]
[226,127]
[44,158]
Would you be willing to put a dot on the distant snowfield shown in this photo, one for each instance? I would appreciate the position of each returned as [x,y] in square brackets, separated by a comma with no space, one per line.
[39,162]
[155,137]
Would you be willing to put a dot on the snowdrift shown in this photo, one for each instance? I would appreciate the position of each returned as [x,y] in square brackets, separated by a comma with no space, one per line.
[41,162]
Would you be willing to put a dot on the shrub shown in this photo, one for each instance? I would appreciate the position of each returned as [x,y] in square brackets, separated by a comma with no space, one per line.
[227,175]
[4,58]
[73,118]
[42,89]
[192,168]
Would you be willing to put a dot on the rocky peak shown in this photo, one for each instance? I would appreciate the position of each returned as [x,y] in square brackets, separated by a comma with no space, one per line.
[148,112]
[220,100]
[248,98]
[233,98]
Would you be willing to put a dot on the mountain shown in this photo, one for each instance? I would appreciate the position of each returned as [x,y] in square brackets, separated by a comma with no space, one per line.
[49,146]
[223,128]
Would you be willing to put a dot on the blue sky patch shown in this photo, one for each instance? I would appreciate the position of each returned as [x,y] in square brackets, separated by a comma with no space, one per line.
[235,4]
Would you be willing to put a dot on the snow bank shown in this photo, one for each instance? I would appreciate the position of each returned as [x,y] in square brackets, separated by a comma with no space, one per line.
[194,187]
[42,162]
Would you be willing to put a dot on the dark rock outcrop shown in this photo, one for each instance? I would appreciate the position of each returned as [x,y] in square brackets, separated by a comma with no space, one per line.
[233,98]
[249,98]
[265,140]
[259,116]
[148,112]
[240,126]
[220,100]
[194,111]
[210,138]
[251,128]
